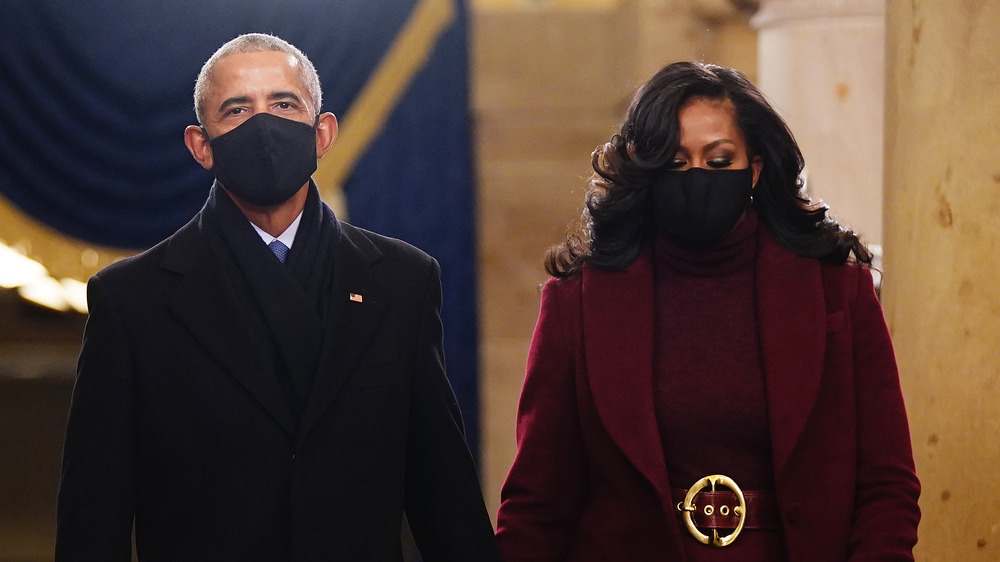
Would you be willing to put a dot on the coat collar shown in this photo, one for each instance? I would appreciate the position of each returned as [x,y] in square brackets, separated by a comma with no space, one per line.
[618,343]
[618,340]
[203,300]
[205,304]
[791,312]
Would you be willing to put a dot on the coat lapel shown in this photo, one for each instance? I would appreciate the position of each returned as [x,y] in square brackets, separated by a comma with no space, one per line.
[355,309]
[204,303]
[618,339]
[792,319]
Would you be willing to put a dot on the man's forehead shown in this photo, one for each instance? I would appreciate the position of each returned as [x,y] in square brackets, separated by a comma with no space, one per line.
[255,61]
[268,70]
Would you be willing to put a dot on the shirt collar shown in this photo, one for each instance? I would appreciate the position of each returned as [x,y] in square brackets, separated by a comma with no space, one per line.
[286,237]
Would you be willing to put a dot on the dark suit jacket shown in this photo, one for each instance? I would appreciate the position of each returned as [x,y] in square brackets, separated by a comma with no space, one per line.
[174,421]
[589,481]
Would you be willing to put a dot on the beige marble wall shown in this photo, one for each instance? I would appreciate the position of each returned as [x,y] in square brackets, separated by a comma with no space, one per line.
[550,81]
[942,261]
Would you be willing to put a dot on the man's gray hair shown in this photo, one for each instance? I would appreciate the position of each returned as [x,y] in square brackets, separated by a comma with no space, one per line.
[256,43]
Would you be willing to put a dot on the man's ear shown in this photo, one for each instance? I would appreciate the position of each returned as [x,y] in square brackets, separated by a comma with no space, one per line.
[757,165]
[197,144]
[326,133]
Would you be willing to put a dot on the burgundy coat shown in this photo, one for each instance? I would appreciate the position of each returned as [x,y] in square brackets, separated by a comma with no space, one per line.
[589,481]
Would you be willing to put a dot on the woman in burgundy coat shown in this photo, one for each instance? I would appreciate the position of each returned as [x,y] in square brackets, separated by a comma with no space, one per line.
[711,377]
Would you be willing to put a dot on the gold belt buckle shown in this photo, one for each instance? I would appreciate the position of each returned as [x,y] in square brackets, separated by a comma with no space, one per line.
[688,507]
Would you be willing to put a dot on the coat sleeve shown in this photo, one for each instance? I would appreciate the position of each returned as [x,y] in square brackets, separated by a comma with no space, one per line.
[444,500]
[885,508]
[96,490]
[544,493]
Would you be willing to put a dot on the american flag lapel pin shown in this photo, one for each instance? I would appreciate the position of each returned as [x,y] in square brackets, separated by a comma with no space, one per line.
[356,297]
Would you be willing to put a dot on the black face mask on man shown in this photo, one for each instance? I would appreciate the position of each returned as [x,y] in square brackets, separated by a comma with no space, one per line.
[266,159]
[700,205]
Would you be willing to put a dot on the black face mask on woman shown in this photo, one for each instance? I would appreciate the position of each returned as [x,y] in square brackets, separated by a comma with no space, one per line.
[698,204]
[266,159]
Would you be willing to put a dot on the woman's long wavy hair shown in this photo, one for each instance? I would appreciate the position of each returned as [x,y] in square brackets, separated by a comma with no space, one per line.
[616,223]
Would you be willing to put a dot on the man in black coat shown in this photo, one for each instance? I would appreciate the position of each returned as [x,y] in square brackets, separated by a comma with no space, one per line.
[267,383]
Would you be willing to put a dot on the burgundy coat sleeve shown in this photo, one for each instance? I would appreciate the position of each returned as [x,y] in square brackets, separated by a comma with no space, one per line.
[545,489]
[884,523]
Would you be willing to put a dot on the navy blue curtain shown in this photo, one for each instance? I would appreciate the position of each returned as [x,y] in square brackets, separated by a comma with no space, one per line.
[94,98]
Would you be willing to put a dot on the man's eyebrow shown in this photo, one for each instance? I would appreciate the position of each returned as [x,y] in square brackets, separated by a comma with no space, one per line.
[274,96]
[233,101]
[284,96]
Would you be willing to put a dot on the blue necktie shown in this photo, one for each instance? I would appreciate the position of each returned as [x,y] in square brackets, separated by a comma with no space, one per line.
[279,250]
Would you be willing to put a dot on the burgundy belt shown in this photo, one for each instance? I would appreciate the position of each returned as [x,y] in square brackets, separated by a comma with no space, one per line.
[715,510]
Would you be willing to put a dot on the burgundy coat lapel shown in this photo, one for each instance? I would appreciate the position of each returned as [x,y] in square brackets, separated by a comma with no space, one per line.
[618,342]
[618,339]
[792,320]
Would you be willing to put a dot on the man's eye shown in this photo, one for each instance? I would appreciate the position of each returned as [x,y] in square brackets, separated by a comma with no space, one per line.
[236,111]
[284,105]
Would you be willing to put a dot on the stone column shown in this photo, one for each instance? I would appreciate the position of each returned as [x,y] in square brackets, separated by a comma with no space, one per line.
[821,63]
[942,265]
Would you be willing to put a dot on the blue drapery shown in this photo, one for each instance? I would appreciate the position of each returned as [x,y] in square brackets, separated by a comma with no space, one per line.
[94,98]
